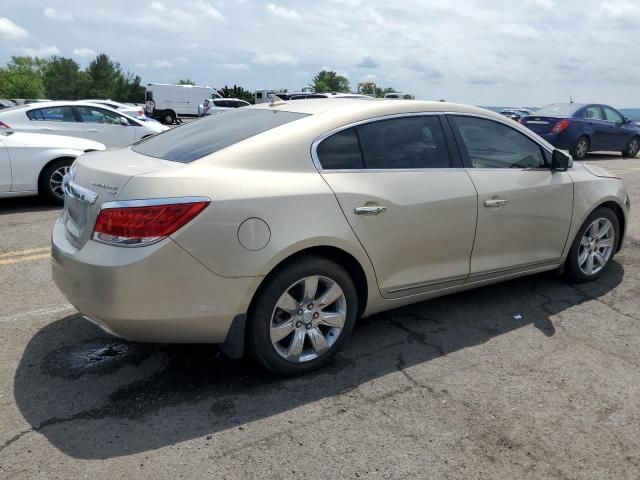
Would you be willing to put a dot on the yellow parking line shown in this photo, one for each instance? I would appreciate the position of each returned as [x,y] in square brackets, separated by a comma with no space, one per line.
[27,258]
[18,253]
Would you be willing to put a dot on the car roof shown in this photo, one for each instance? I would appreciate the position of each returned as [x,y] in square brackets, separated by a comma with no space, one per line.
[377,107]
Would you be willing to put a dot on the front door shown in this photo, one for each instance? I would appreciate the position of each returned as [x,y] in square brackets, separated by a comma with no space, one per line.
[618,135]
[524,208]
[105,126]
[414,214]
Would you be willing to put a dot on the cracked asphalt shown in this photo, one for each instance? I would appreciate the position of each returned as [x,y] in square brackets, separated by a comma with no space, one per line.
[530,379]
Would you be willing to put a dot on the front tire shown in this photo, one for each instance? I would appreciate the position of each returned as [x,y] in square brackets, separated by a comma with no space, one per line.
[581,148]
[50,182]
[303,316]
[632,149]
[594,246]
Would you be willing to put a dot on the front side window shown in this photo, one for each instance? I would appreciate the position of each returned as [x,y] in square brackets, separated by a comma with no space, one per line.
[341,151]
[612,115]
[214,132]
[404,143]
[98,115]
[490,144]
[593,113]
[52,114]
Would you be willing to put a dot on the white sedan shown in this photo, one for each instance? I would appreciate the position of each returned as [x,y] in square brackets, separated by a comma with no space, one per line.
[35,163]
[79,119]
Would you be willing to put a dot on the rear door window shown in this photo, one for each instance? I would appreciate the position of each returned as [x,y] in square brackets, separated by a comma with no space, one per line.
[593,113]
[52,114]
[214,132]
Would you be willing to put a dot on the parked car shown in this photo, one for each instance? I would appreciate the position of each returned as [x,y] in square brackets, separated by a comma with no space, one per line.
[272,228]
[167,102]
[135,111]
[35,163]
[6,103]
[515,113]
[584,128]
[79,119]
[399,96]
[216,105]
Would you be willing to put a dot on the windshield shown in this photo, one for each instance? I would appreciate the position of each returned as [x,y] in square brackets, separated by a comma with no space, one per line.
[212,133]
[558,110]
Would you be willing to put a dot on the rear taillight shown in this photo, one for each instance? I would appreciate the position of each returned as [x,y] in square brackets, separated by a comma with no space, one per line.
[137,223]
[561,126]
[4,125]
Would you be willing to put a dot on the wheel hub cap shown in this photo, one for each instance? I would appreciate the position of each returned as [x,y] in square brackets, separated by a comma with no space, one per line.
[596,246]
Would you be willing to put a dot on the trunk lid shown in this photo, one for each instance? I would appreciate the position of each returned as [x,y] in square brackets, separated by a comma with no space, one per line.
[97,178]
[540,124]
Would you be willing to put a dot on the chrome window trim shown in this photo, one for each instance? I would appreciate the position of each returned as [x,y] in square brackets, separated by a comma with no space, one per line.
[152,202]
[506,122]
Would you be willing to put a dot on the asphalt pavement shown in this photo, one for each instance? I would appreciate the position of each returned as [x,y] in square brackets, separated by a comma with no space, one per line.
[529,379]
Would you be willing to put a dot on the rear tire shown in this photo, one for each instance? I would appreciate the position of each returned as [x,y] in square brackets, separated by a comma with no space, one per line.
[632,149]
[594,246]
[168,117]
[50,181]
[581,148]
[291,310]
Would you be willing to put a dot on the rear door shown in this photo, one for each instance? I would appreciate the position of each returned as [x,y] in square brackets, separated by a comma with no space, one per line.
[408,200]
[524,209]
[104,126]
[56,121]
[5,166]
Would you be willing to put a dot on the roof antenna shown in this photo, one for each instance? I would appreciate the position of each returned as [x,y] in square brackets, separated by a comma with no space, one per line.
[570,98]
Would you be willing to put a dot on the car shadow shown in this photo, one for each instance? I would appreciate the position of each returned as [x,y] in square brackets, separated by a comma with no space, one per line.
[96,397]
[26,205]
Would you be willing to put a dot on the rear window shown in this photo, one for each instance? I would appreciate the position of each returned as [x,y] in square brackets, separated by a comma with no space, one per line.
[558,110]
[212,133]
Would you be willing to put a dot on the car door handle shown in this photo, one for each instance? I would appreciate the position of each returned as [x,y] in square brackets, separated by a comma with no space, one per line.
[373,210]
[495,202]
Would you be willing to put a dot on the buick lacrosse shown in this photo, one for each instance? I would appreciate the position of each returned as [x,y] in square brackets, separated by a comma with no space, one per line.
[271,229]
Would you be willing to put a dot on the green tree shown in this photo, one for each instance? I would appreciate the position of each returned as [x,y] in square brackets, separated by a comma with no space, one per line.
[103,74]
[22,78]
[186,81]
[329,81]
[61,79]
[238,92]
[379,91]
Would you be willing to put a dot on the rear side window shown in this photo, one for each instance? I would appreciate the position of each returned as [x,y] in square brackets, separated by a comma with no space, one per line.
[404,143]
[215,132]
[593,113]
[340,151]
[52,114]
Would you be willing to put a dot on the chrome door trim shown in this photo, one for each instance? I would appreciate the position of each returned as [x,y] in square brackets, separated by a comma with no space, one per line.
[510,270]
[437,285]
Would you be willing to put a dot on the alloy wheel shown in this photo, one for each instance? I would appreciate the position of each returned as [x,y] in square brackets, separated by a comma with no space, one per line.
[634,147]
[308,319]
[596,246]
[55,181]
[581,148]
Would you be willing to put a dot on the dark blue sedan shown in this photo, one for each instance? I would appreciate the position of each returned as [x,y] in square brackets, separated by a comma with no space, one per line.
[582,128]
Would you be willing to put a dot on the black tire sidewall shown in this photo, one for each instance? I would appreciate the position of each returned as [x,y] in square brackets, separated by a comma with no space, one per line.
[626,152]
[259,320]
[169,118]
[572,270]
[44,184]
[574,151]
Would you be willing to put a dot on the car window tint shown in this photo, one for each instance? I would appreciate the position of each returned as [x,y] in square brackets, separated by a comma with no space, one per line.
[340,151]
[493,145]
[406,142]
[593,113]
[214,132]
[612,115]
[98,115]
[52,114]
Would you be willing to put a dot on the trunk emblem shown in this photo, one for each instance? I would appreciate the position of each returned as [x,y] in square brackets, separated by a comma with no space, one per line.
[112,189]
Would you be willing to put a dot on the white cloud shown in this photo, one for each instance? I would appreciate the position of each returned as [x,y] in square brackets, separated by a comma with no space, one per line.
[56,15]
[275,58]
[161,64]
[44,51]
[236,67]
[282,12]
[209,11]
[158,6]
[10,30]
[84,52]
[302,73]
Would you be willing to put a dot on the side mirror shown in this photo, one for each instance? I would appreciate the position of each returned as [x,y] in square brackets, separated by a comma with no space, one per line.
[124,121]
[560,162]
[626,120]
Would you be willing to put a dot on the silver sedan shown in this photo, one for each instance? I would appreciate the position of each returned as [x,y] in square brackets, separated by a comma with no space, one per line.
[271,229]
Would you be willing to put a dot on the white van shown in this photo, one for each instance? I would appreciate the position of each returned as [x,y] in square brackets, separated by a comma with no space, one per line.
[166,102]
[263,95]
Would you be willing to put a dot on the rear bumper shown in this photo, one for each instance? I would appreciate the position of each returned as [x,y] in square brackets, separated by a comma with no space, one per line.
[158,293]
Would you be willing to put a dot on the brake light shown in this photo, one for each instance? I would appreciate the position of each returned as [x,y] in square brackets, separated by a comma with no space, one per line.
[561,126]
[4,125]
[142,222]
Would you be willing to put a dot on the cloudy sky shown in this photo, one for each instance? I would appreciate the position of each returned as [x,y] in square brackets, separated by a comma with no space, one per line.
[489,52]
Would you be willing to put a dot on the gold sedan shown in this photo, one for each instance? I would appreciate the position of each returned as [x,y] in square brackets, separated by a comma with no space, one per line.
[271,229]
